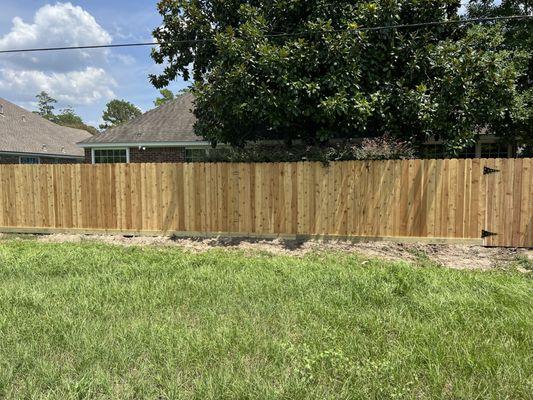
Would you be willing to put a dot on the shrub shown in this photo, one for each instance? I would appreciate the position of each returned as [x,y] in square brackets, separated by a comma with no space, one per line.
[380,148]
[384,148]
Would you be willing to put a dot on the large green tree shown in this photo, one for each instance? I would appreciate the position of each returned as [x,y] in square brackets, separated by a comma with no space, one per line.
[117,112]
[303,69]
[472,88]
[517,38]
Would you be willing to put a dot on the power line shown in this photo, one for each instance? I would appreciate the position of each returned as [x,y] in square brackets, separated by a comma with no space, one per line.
[362,29]
[102,46]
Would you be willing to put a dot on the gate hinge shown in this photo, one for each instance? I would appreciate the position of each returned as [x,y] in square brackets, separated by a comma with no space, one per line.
[487,170]
[486,234]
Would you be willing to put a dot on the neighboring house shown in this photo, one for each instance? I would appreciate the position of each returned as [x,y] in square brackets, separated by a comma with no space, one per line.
[166,134]
[27,138]
[487,146]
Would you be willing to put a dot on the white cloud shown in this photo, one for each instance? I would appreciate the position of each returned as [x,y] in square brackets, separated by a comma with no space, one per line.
[73,77]
[75,88]
[125,59]
[59,25]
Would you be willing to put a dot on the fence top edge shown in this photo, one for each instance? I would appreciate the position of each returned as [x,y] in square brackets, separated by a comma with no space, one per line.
[407,160]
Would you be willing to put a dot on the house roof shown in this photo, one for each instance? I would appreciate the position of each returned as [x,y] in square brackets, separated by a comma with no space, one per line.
[22,131]
[170,123]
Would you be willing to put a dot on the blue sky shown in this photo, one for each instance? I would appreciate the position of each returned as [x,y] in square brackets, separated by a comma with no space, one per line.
[85,80]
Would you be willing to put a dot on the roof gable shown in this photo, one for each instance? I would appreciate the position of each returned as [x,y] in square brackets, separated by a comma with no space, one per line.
[22,131]
[172,122]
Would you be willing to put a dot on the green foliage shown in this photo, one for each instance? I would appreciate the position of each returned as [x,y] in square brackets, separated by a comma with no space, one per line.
[492,8]
[516,38]
[479,75]
[524,263]
[166,95]
[118,112]
[87,321]
[45,103]
[300,70]
[68,117]
[382,148]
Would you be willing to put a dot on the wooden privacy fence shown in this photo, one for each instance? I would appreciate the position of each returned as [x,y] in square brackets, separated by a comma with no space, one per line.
[436,199]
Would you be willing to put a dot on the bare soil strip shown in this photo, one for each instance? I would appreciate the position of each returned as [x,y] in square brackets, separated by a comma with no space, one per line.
[451,256]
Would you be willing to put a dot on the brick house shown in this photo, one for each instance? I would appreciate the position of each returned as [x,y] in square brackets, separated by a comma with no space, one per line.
[27,138]
[164,134]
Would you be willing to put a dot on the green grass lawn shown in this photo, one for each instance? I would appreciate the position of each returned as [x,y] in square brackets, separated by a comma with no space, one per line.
[96,321]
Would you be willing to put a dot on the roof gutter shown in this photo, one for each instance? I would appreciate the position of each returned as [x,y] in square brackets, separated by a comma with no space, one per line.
[143,144]
[51,155]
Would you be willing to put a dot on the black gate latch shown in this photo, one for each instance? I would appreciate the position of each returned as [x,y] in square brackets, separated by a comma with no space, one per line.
[486,234]
[487,170]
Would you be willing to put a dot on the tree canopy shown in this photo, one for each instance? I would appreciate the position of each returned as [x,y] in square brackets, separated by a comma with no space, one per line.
[45,105]
[118,112]
[517,40]
[303,69]
[66,117]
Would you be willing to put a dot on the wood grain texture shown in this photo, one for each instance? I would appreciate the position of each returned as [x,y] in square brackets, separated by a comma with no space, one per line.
[411,199]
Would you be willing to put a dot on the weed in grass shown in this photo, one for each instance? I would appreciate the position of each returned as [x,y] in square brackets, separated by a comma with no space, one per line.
[523,262]
[421,258]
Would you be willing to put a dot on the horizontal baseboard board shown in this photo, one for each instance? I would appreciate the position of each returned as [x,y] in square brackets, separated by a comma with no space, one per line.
[236,235]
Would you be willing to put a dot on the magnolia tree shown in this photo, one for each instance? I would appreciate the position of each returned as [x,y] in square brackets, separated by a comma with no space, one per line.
[304,70]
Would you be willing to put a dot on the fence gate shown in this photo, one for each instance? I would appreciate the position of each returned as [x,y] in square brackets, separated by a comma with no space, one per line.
[508,195]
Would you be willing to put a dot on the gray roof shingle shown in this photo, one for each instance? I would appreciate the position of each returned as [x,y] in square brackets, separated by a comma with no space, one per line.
[172,122]
[22,131]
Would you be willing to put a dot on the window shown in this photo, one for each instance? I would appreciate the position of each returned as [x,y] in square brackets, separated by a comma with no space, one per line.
[205,154]
[439,151]
[110,156]
[29,160]
[195,155]
[494,150]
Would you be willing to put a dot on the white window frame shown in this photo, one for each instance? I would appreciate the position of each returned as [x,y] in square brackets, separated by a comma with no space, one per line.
[36,157]
[93,158]
[483,139]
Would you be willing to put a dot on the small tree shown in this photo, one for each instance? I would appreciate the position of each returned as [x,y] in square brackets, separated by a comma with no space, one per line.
[68,117]
[46,105]
[118,112]
[166,96]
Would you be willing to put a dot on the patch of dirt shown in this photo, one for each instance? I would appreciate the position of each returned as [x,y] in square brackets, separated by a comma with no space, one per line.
[451,256]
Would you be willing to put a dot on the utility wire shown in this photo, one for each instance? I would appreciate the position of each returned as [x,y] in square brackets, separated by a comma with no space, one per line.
[102,46]
[362,29]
